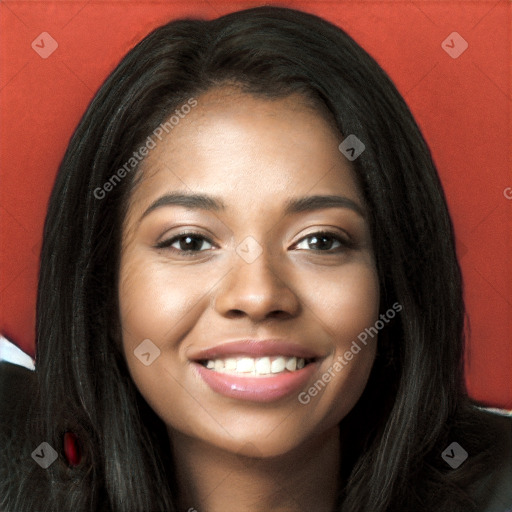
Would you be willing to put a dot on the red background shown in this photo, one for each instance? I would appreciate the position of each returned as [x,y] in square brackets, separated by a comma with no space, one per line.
[463,106]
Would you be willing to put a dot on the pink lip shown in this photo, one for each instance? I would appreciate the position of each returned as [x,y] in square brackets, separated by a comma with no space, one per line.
[254,348]
[257,389]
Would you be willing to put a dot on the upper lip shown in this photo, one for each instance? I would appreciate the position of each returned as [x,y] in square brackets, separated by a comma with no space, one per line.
[254,348]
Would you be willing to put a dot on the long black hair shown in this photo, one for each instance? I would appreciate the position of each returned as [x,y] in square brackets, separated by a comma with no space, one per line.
[415,401]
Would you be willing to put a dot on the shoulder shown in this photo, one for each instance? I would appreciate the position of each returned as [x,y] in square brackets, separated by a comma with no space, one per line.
[17,385]
[493,490]
[17,392]
[26,485]
[18,388]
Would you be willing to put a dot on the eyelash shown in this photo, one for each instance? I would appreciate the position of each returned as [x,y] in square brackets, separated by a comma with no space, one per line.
[166,244]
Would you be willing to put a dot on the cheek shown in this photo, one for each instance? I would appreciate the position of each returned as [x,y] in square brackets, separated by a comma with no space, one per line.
[344,302]
[345,306]
[155,302]
[157,305]
[165,306]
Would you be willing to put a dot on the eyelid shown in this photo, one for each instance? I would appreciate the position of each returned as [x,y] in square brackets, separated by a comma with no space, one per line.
[167,242]
[345,241]
[334,232]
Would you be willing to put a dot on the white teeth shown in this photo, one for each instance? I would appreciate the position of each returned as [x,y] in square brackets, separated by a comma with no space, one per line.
[256,366]
[230,364]
[263,366]
[245,365]
[278,365]
[291,364]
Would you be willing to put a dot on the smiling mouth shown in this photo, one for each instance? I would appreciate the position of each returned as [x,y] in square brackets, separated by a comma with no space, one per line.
[244,366]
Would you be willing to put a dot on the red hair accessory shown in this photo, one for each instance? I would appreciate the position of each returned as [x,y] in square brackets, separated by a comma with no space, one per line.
[72,449]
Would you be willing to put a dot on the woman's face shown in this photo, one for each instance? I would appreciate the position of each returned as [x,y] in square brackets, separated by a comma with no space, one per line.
[256,269]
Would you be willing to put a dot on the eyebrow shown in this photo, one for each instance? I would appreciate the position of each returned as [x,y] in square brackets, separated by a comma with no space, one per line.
[292,205]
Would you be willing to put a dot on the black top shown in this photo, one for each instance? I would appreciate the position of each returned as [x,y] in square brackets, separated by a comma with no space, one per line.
[17,388]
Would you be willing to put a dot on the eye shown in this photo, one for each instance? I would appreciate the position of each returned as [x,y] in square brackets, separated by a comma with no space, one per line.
[190,243]
[324,241]
[186,243]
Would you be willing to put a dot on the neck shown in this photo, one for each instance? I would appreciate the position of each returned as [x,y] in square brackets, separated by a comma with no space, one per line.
[212,479]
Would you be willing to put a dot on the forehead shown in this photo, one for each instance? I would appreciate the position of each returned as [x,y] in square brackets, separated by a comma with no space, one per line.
[248,149]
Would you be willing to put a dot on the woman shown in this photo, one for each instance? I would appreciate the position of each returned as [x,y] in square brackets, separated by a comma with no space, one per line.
[249,296]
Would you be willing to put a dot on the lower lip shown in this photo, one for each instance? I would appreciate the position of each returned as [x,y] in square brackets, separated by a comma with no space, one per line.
[257,389]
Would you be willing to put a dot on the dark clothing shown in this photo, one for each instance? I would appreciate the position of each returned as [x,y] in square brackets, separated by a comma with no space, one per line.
[17,387]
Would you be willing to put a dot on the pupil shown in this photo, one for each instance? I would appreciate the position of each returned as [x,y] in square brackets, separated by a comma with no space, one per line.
[188,242]
[315,241]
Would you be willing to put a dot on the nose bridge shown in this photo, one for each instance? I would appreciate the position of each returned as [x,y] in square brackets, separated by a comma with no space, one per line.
[256,284]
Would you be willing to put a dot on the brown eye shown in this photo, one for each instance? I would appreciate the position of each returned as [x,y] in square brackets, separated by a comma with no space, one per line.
[185,243]
[323,241]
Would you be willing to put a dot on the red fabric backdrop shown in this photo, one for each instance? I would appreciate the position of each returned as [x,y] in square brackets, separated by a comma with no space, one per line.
[462,102]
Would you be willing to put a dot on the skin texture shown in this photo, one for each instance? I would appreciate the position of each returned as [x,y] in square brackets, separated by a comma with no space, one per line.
[252,153]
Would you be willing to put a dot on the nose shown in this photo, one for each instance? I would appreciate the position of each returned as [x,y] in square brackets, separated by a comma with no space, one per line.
[259,290]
